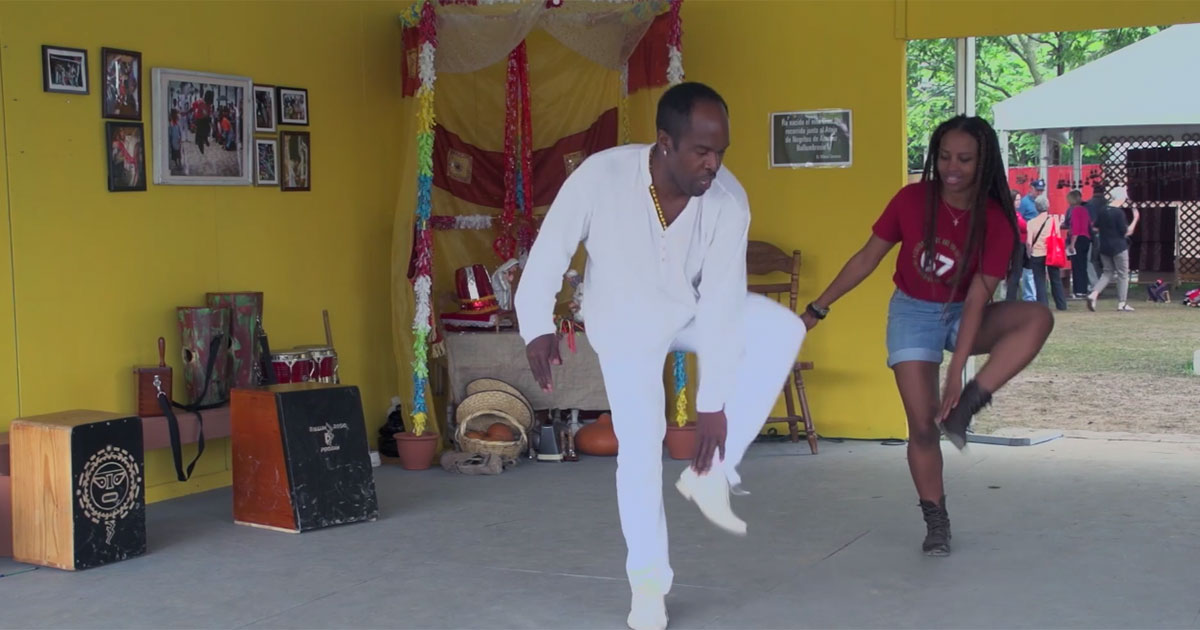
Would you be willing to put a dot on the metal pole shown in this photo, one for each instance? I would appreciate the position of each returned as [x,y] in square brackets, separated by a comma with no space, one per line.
[1044,157]
[964,76]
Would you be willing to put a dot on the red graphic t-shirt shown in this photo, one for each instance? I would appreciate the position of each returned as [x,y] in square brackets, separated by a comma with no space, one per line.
[903,221]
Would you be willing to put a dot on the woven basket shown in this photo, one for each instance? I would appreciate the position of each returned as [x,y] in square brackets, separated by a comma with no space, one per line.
[480,420]
[499,402]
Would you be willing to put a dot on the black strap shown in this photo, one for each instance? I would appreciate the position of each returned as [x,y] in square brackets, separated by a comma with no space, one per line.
[166,404]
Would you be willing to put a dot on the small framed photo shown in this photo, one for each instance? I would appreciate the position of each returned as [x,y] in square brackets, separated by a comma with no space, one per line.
[126,142]
[293,106]
[64,70]
[264,108]
[121,84]
[267,173]
[295,160]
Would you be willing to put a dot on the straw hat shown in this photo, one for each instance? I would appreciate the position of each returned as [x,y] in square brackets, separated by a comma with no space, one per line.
[495,401]
[493,384]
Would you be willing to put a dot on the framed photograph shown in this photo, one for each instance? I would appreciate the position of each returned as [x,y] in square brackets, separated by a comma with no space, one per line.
[295,160]
[264,108]
[64,70]
[126,144]
[267,152]
[293,106]
[121,84]
[202,132]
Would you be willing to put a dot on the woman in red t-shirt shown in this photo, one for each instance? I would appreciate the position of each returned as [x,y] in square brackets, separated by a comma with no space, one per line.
[958,239]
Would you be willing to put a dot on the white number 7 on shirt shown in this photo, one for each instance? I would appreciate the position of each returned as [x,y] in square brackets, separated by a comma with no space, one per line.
[945,264]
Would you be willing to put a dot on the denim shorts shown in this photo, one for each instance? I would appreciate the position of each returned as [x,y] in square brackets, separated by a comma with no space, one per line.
[918,330]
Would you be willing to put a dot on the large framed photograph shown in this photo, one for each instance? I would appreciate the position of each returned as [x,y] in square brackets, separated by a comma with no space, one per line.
[64,70]
[264,108]
[202,128]
[293,106]
[267,152]
[126,142]
[295,160]
[121,80]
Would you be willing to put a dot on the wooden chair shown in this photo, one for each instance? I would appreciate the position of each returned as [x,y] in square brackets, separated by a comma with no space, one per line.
[762,259]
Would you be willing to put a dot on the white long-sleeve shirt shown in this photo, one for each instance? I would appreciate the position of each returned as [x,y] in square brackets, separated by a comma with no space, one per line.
[644,284]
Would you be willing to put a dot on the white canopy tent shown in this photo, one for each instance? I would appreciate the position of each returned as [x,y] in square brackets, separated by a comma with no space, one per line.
[1138,94]
[1146,88]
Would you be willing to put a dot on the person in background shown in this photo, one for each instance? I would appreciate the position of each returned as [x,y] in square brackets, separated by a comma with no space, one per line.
[1079,243]
[1012,287]
[1113,242]
[1158,292]
[1039,230]
[1028,210]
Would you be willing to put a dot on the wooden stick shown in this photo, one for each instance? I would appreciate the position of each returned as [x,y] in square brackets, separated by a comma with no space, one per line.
[328,330]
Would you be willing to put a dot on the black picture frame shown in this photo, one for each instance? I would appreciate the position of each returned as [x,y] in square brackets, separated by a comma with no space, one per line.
[286,96]
[64,70]
[295,161]
[121,87]
[120,151]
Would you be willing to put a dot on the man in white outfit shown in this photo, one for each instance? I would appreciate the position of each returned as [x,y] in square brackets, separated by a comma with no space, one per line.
[665,229]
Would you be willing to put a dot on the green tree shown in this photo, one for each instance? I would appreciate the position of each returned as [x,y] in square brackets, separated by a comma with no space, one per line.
[1004,67]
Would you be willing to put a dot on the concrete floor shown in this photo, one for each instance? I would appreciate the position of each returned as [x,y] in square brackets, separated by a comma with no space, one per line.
[1074,533]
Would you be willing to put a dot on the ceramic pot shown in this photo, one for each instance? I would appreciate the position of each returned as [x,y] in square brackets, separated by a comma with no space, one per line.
[682,441]
[416,451]
[597,438]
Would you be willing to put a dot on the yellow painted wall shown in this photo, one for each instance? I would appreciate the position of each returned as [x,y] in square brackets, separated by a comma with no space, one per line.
[924,19]
[8,329]
[764,57]
[97,275]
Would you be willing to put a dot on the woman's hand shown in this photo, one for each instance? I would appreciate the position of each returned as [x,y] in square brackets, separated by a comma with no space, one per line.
[950,393]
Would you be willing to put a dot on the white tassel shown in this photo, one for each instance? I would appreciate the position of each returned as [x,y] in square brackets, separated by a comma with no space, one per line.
[473,222]
[675,66]
[425,65]
[421,290]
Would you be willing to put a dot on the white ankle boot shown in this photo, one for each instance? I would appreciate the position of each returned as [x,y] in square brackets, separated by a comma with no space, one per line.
[710,492]
[647,611]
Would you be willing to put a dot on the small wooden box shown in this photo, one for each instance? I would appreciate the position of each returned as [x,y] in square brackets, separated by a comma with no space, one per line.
[78,489]
[300,457]
[147,388]
[148,379]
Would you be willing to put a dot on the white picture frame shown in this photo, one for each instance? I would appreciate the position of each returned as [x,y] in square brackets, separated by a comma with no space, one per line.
[266,162]
[209,154]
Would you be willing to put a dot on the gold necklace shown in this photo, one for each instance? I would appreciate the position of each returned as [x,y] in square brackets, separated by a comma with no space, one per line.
[654,194]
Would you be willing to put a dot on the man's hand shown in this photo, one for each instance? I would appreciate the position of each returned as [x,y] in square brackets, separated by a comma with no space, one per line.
[710,433]
[542,352]
[810,322]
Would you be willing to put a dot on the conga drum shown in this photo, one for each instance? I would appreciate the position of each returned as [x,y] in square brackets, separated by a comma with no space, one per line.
[292,366]
[325,363]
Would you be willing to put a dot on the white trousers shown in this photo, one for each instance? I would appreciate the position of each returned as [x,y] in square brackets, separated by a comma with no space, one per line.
[634,385]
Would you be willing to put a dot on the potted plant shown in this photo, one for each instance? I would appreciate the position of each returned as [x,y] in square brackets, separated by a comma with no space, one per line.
[416,449]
